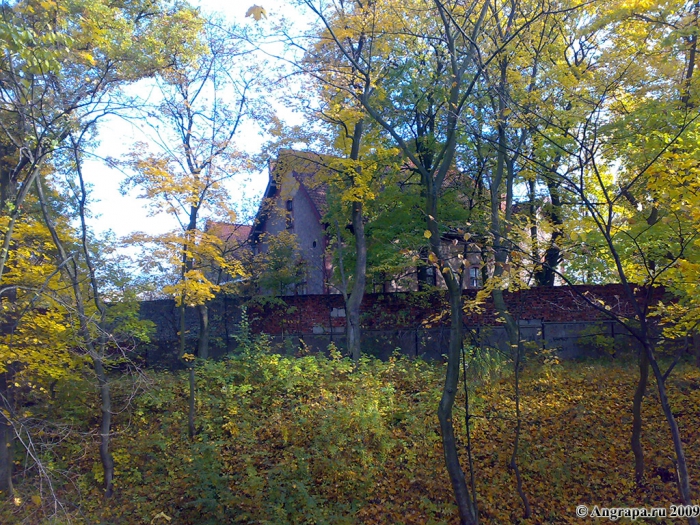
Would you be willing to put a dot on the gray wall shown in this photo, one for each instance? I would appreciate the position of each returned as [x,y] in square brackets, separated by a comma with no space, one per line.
[566,340]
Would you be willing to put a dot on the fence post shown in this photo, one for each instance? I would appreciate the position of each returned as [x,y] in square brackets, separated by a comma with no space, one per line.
[544,337]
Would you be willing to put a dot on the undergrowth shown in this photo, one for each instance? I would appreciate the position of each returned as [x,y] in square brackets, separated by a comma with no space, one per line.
[318,440]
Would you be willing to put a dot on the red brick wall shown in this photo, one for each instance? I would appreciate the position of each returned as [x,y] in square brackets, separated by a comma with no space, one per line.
[306,314]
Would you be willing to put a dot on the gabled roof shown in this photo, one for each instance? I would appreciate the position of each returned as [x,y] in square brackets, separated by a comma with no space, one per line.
[230,233]
[305,167]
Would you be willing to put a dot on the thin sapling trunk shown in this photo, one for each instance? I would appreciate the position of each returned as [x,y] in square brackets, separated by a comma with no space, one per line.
[636,440]
[354,300]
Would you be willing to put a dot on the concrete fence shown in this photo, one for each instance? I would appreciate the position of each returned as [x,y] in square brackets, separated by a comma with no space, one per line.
[553,320]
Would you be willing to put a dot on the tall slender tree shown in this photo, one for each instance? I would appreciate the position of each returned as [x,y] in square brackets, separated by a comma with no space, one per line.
[629,110]
[200,104]
[202,100]
[62,62]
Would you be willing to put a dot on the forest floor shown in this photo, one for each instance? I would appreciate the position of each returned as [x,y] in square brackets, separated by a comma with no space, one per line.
[311,440]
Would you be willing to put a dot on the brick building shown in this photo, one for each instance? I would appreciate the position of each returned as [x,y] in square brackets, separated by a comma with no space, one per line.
[295,201]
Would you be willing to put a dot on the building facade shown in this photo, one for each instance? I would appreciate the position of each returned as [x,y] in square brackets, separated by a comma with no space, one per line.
[295,202]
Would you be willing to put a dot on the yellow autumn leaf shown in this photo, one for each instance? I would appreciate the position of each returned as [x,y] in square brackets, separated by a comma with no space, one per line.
[433,258]
[427,234]
[161,515]
[257,12]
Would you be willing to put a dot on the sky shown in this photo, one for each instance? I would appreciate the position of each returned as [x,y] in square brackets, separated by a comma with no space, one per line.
[125,214]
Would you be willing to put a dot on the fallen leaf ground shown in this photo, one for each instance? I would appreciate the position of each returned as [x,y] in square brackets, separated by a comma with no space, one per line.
[312,441]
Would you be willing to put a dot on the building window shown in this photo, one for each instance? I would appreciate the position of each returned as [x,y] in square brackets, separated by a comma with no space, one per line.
[474,277]
[430,276]
[290,215]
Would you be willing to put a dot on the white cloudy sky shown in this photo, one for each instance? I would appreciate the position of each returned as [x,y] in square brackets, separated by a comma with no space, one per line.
[126,214]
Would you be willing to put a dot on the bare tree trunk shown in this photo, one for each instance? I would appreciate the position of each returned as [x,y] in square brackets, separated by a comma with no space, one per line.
[464,500]
[642,335]
[353,302]
[190,375]
[6,437]
[532,215]
[203,342]
[513,335]
[504,175]
[352,306]
[96,354]
[513,465]
[105,427]
[683,477]
[467,512]
[467,426]
[190,417]
[187,265]
[181,332]
[636,440]
[552,257]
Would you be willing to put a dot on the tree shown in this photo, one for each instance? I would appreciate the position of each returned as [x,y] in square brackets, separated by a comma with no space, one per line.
[57,73]
[35,348]
[62,64]
[187,177]
[341,87]
[622,140]
[421,116]
[280,266]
